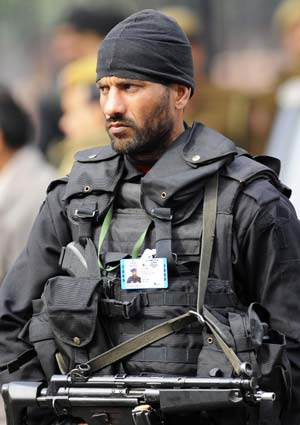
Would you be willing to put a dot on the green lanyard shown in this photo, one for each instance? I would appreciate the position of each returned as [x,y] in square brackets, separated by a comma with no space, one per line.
[136,250]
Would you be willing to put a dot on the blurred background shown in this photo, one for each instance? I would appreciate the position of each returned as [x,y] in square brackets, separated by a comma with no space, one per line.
[245,50]
[242,44]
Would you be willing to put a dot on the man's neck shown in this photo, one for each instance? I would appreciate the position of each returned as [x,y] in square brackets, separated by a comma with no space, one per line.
[155,155]
[141,165]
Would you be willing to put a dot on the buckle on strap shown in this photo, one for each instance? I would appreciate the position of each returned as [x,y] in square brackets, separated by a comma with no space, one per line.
[86,213]
[83,213]
[162,218]
[119,309]
[162,213]
[124,309]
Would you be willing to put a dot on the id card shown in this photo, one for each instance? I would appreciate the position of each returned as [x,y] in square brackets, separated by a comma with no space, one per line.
[144,273]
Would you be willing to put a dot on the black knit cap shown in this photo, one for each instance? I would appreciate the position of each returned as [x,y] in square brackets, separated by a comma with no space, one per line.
[147,45]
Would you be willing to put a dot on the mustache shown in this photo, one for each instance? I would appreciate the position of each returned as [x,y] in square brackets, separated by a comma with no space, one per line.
[120,119]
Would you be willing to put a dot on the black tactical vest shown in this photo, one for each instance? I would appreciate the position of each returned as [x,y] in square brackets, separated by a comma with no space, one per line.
[99,180]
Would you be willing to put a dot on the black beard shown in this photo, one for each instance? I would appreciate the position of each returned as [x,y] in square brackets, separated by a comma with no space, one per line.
[151,140]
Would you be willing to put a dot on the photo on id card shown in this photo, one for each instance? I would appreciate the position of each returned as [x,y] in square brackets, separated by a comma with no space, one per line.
[144,273]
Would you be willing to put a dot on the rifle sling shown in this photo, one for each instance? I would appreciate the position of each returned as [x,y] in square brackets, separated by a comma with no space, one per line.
[140,341]
[208,236]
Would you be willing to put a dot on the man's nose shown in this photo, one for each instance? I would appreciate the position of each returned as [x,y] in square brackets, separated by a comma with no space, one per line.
[113,103]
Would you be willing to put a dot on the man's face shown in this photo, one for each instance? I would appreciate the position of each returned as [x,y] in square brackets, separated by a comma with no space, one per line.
[138,116]
[81,118]
[291,41]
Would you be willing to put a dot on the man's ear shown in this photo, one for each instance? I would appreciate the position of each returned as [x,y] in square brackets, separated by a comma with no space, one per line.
[181,94]
[2,141]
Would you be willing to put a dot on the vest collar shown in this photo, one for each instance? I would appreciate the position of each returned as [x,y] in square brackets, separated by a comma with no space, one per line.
[179,175]
[176,178]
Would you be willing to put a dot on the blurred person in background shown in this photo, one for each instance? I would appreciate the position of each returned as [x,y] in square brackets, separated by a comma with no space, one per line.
[284,141]
[286,20]
[24,177]
[77,34]
[224,110]
[82,121]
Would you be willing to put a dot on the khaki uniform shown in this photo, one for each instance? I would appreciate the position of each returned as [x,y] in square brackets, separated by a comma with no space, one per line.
[265,107]
[63,153]
[223,110]
[263,112]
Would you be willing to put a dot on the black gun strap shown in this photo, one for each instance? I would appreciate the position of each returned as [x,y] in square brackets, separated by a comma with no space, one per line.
[140,341]
[22,359]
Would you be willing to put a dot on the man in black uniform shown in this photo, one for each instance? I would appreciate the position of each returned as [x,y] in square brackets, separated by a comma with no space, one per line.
[147,191]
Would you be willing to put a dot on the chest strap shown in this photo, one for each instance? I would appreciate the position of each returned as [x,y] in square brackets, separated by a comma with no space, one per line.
[162,218]
[131,346]
[86,214]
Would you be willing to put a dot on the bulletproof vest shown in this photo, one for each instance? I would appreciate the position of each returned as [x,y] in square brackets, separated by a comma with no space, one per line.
[176,234]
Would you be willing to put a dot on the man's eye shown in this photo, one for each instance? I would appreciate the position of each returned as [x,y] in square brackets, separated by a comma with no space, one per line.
[129,87]
[103,90]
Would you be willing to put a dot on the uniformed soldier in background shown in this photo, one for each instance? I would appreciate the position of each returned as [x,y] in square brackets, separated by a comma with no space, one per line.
[82,121]
[286,21]
[224,110]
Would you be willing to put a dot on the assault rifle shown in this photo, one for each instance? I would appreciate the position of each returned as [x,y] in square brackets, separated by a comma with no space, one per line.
[129,400]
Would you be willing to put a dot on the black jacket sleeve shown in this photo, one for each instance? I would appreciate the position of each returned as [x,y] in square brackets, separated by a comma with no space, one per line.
[268,264]
[25,282]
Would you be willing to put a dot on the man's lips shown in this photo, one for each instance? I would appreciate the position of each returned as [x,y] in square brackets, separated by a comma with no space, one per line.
[117,127]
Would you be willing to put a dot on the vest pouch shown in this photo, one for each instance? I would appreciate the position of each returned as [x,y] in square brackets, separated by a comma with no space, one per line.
[72,306]
[241,329]
[220,298]
[272,362]
[274,371]
[249,334]
[212,361]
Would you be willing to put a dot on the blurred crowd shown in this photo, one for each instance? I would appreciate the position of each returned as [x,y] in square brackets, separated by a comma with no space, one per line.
[68,116]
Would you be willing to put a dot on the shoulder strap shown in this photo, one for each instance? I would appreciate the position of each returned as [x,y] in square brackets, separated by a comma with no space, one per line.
[208,236]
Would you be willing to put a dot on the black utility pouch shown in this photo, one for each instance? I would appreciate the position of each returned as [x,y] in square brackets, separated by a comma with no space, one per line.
[212,362]
[273,364]
[219,301]
[248,333]
[72,307]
